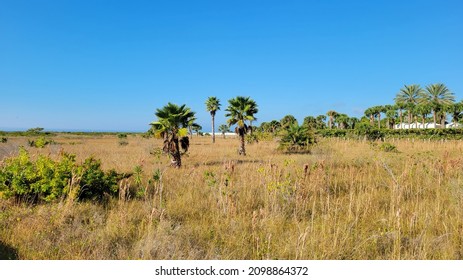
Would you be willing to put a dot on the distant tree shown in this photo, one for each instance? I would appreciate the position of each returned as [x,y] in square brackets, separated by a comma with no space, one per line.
[437,96]
[310,122]
[342,120]
[391,115]
[287,120]
[456,111]
[223,128]
[321,121]
[191,124]
[331,115]
[352,122]
[409,96]
[240,110]
[172,126]
[400,106]
[275,126]
[212,106]
[422,110]
[370,113]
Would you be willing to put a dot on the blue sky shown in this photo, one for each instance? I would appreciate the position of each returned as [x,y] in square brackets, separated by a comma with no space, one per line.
[107,65]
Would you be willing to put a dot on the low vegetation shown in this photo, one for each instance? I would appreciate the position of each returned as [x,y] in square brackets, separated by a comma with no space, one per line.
[347,199]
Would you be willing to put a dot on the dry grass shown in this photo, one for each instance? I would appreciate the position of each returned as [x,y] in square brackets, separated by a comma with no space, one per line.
[346,200]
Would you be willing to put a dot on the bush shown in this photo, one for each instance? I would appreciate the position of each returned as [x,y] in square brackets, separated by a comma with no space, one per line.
[40,142]
[296,139]
[122,135]
[46,180]
[3,139]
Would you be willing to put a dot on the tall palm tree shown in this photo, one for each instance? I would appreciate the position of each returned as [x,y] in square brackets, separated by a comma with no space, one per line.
[241,109]
[223,128]
[172,126]
[437,96]
[409,96]
[212,106]
[331,115]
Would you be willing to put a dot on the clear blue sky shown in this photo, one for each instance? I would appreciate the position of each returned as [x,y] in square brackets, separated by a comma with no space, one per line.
[107,65]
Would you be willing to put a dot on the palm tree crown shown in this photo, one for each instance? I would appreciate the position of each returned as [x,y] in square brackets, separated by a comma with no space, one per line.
[437,96]
[407,97]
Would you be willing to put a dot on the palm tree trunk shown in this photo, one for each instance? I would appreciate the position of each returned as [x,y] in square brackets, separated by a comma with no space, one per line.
[331,122]
[379,120]
[213,129]
[176,160]
[242,150]
[423,120]
[435,118]
[401,117]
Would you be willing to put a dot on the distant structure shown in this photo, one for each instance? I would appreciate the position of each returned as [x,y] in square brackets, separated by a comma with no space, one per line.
[425,125]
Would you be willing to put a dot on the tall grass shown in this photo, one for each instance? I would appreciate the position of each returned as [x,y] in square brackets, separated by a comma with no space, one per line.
[346,200]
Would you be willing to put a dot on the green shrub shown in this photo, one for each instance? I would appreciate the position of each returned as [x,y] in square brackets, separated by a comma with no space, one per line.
[40,142]
[3,139]
[46,180]
[296,139]
[122,135]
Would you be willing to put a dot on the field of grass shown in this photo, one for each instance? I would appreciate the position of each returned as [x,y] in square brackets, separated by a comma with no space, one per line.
[348,199]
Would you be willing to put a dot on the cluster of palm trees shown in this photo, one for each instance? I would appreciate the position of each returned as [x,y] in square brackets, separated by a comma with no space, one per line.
[174,122]
[413,104]
[416,103]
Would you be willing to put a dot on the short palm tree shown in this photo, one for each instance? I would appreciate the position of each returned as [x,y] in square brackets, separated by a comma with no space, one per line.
[172,126]
[437,96]
[212,106]
[422,110]
[456,111]
[296,138]
[241,110]
[331,114]
[223,128]
[409,96]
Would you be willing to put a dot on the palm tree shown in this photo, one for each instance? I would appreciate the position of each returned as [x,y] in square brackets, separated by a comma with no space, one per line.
[456,111]
[400,106]
[296,138]
[172,126]
[342,120]
[212,106]
[409,96]
[437,96]
[391,115]
[240,110]
[287,121]
[370,113]
[422,110]
[331,114]
[223,128]
[321,121]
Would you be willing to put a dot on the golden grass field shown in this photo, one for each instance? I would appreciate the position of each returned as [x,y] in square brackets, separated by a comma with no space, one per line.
[345,200]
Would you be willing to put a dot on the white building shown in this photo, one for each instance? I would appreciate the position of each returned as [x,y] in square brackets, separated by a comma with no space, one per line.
[425,125]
